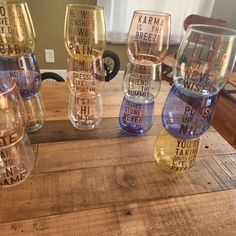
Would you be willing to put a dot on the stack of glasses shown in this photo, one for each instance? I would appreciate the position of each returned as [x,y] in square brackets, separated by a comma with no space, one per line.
[148,42]
[85,41]
[18,60]
[17,158]
[203,65]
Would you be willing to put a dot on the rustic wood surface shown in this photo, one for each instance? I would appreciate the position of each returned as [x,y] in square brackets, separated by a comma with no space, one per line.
[104,182]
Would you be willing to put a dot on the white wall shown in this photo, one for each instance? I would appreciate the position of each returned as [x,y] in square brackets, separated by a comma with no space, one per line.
[226,10]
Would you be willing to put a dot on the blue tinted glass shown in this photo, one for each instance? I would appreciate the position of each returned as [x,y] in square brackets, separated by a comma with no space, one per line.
[25,71]
[187,116]
[136,118]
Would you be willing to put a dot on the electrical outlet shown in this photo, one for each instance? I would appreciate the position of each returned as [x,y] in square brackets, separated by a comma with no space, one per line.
[49,55]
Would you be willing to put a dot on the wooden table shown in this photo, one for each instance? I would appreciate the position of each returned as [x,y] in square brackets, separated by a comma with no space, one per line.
[103,182]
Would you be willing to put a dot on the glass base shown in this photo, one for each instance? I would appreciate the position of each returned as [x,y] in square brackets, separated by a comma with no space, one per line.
[35,112]
[85,124]
[34,126]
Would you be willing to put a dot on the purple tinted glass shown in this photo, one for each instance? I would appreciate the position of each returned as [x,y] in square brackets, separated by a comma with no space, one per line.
[25,71]
[187,116]
[136,118]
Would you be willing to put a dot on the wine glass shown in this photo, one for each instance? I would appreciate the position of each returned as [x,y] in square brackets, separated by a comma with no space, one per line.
[148,37]
[175,155]
[85,76]
[84,31]
[17,35]
[25,71]
[17,161]
[85,110]
[12,112]
[141,83]
[136,118]
[205,59]
[187,116]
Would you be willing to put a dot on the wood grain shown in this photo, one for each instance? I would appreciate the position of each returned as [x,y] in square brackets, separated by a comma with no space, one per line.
[113,151]
[78,190]
[104,182]
[202,214]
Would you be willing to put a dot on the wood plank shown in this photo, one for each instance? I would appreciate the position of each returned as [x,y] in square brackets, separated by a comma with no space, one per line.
[79,190]
[203,214]
[91,153]
[63,130]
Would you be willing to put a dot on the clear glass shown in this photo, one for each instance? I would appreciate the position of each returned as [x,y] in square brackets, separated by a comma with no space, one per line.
[17,35]
[85,110]
[85,76]
[25,71]
[12,113]
[205,59]
[84,31]
[16,162]
[148,37]
[141,83]
[175,155]
[35,112]
[136,118]
[187,116]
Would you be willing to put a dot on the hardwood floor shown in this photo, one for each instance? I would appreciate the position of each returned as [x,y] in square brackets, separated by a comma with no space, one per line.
[225,120]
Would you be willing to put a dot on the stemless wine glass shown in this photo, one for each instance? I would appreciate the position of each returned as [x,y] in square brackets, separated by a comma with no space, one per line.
[25,71]
[148,37]
[136,118]
[12,112]
[141,83]
[85,110]
[186,115]
[205,59]
[175,155]
[84,31]
[17,35]
[17,161]
[86,76]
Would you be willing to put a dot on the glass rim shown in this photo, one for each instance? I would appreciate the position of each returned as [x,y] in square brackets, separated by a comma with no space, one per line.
[10,89]
[153,13]
[84,6]
[197,28]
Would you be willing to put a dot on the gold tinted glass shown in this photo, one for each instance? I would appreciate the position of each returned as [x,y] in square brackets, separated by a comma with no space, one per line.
[84,31]
[17,36]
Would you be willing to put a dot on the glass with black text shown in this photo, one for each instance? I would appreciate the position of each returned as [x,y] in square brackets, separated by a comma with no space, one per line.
[147,44]
[18,59]
[203,64]
[17,158]
[85,41]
